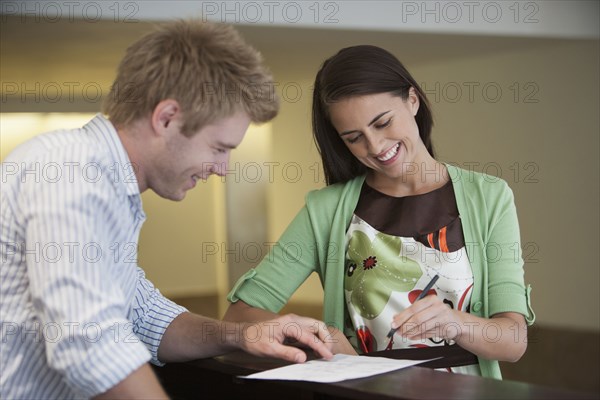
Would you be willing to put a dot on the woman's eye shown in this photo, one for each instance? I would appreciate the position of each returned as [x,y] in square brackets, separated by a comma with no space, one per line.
[385,124]
[354,139]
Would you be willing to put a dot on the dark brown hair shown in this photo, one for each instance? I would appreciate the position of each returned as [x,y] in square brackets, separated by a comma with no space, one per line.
[358,71]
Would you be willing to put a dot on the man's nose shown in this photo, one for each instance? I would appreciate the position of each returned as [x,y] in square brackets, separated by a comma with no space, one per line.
[221,167]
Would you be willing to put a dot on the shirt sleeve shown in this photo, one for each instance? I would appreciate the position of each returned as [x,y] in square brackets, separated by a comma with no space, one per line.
[152,314]
[82,313]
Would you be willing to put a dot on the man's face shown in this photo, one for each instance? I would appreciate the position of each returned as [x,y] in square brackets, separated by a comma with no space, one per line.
[185,160]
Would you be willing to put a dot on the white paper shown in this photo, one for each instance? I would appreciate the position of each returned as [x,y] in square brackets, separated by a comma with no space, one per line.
[339,368]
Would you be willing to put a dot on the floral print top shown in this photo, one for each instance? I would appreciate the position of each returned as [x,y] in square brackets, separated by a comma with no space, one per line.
[395,246]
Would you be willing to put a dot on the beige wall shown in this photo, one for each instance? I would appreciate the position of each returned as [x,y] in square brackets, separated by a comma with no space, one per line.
[178,240]
[299,169]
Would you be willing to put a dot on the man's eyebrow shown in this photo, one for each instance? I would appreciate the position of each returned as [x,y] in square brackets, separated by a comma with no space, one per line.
[370,123]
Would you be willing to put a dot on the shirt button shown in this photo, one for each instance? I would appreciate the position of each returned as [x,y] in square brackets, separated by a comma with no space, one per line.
[477,306]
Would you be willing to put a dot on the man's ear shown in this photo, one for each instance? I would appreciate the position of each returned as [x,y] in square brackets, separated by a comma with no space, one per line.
[164,116]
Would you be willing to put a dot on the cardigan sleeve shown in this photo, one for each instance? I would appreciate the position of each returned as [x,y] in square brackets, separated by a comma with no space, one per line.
[287,265]
[506,288]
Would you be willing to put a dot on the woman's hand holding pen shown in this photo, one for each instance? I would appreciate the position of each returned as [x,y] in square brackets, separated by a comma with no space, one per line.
[428,317]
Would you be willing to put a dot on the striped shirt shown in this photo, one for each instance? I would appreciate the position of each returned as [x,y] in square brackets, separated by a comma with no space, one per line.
[77,314]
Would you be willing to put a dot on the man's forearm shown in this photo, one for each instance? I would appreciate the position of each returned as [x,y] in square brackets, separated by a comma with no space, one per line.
[242,312]
[191,336]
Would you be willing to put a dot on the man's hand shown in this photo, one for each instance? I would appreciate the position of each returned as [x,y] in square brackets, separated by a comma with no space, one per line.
[334,340]
[269,338]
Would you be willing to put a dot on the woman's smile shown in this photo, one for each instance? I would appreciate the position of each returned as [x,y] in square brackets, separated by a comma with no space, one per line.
[390,155]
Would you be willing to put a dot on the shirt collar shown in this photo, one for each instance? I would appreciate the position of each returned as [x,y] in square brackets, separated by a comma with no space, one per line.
[107,135]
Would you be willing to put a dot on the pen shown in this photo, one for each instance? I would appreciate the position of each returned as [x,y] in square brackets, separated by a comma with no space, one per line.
[419,297]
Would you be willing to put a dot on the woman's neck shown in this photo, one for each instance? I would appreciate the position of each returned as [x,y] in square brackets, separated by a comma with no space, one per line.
[416,178]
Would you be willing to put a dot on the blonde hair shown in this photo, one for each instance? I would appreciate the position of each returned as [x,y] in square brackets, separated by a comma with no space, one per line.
[206,67]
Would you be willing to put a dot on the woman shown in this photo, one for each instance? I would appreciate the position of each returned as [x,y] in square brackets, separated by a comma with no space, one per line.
[391,218]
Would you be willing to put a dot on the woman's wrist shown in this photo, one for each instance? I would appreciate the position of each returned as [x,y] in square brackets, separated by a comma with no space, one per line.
[456,329]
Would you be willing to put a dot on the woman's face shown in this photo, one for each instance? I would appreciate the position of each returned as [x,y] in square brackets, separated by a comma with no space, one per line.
[381,132]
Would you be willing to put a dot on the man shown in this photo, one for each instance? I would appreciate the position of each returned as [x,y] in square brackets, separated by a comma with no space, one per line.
[79,319]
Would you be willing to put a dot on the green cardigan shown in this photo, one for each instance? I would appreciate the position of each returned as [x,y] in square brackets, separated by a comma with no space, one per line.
[315,241]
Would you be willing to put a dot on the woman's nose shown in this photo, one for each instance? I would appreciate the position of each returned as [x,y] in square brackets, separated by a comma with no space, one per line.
[374,145]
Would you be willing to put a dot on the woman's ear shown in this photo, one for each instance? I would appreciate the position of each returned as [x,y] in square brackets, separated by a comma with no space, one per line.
[164,115]
[413,101]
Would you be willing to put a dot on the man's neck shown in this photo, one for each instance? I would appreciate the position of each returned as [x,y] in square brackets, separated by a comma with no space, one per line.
[131,138]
